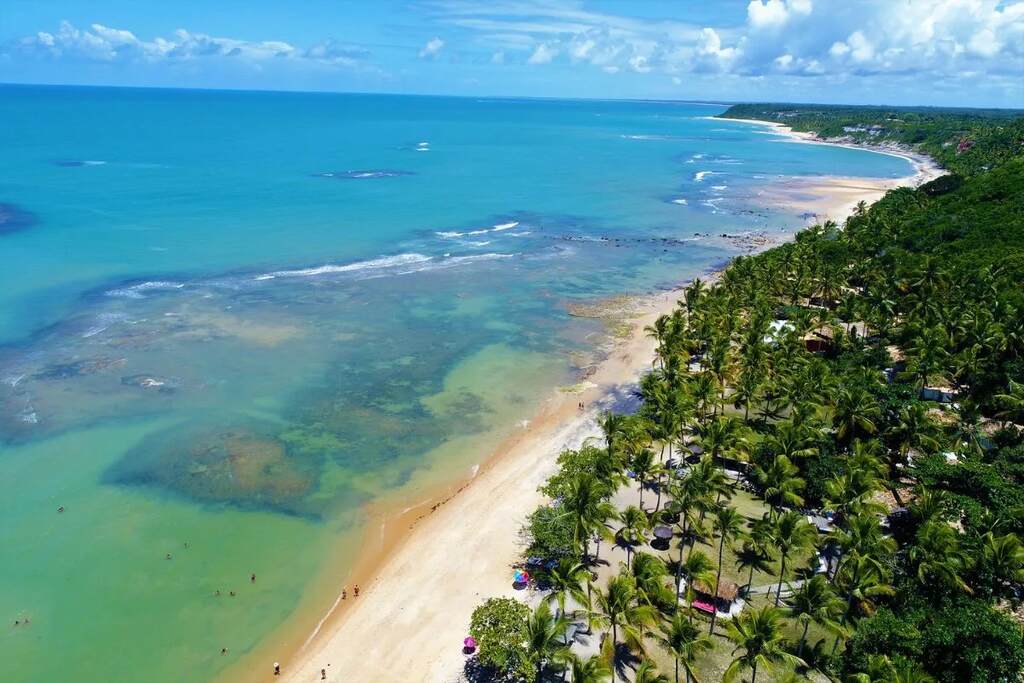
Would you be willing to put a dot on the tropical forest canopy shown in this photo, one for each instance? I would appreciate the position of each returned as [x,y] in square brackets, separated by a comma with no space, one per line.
[964,141]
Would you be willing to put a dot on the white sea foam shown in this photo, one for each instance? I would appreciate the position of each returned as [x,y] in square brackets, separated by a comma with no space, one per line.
[482,243]
[448,234]
[478,232]
[329,269]
[521,233]
[700,175]
[505,226]
[681,201]
[400,264]
[473,258]
[719,187]
[136,291]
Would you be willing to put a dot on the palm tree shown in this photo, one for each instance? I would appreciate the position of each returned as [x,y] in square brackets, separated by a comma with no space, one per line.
[634,523]
[862,536]
[862,581]
[647,673]
[567,580]
[728,524]
[815,601]
[593,669]
[545,641]
[719,436]
[643,465]
[697,567]
[927,355]
[755,554]
[790,440]
[792,534]
[780,483]
[587,509]
[759,635]
[1011,403]
[898,670]
[913,429]
[937,556]
[684,641]
[1004,557]
[618,609]
[856,413]
[659,331]
[651,573]
[612,425]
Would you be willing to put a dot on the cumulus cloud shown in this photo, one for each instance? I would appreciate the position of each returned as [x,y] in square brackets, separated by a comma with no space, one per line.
[943,38]
[431,49]
[543,54]
[104,44]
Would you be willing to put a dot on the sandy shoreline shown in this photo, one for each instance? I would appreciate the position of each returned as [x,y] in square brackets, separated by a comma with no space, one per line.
[436,561]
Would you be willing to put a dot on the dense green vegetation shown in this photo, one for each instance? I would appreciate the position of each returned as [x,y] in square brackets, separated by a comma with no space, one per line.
[964,141]
[870,374]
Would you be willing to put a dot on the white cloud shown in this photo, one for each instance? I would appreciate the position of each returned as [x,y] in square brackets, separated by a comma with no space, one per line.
[543,54]
[783,61]
[943,38]
[861,49]
[101,43]
[431,49]
[775,13]
[838,49]
[639,64]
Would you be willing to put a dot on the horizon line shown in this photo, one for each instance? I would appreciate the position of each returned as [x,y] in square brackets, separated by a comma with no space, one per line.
[705,102]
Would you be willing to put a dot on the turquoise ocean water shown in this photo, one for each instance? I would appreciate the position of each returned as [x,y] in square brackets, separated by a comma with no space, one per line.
[230,320]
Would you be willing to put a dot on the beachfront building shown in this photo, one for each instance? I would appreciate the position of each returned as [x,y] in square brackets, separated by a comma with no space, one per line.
[725,601]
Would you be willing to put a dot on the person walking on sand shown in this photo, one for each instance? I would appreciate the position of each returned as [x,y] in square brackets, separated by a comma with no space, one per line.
[323,674]
[344,593]
[277,669]
[253,578]
[355,590]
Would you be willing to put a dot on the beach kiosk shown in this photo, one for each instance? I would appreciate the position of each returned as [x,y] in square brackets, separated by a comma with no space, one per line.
[726,601]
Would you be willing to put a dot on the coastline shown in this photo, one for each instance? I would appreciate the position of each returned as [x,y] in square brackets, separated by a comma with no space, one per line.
[434,562]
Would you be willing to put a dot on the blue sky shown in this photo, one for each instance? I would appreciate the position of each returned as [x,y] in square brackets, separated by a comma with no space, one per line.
[940,52]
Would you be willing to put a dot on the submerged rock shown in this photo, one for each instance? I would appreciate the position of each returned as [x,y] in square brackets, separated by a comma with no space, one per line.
[244,466]
[15,219]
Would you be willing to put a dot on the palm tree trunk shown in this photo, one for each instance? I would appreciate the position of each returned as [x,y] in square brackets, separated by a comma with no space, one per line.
[782,573]
[679,571]
[718,579]
[753,672]
[803,640]
[615,639]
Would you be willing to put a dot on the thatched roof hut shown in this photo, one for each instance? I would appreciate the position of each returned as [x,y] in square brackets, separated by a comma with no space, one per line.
[727,590]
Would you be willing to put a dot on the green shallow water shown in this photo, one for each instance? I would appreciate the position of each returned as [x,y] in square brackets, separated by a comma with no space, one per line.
[206,340]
